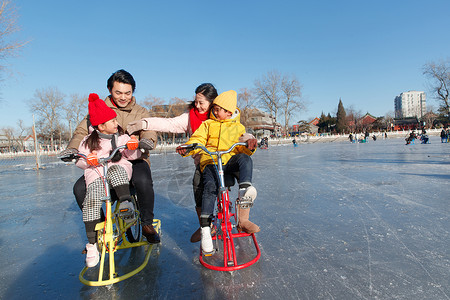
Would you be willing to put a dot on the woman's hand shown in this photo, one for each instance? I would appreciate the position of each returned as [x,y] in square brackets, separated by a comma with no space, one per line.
[136,126]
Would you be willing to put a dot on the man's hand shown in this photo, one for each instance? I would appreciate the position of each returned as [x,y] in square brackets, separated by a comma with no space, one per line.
[67,155]
[252,144]
[136,126]
[133,143]
[92,159]
[181,150]
[146,144]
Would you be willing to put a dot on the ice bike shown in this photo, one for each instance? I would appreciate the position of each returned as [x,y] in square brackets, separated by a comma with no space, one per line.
[225,220]
[114,234]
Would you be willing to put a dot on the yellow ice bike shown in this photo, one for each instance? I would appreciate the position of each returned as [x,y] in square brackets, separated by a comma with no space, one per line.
[116,234]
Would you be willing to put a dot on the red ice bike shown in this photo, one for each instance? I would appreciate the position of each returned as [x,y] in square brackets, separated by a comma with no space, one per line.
[225,223]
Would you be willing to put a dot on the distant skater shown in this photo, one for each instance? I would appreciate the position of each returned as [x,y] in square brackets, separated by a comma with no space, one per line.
[444,135]
[410,139]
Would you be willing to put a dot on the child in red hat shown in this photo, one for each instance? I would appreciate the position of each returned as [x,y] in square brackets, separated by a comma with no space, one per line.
[105,136]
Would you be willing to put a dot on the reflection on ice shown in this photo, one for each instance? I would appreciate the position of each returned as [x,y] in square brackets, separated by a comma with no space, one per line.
[338,221]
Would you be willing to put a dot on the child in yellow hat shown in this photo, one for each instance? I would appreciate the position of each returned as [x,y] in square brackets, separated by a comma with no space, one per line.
[222,130]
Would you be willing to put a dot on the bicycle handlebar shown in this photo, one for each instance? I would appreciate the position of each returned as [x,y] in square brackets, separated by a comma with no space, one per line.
[100,160]
[194,146]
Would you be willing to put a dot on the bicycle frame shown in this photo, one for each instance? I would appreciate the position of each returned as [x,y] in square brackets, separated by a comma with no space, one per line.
[114,239]
[224,225]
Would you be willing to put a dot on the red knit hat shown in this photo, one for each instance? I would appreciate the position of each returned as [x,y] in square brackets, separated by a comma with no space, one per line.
[99,112]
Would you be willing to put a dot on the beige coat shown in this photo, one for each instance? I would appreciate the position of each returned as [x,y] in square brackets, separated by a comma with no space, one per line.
[125,115]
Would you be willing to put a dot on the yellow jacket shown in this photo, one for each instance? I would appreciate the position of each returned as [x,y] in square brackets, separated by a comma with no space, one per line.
[219,135]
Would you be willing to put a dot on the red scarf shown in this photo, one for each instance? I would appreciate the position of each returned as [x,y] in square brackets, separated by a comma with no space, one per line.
[196,119]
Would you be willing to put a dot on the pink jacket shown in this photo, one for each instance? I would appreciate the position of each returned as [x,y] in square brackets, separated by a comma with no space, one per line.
[90,172]
[179,124]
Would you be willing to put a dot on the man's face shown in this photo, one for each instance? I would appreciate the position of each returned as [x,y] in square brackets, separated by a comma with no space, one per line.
[121,93]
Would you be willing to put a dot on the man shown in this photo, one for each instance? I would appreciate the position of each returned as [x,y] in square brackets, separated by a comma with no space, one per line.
[121,86]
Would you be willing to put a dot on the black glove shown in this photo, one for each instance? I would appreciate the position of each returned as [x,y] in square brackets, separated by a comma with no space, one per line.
[68,154]
[146,144]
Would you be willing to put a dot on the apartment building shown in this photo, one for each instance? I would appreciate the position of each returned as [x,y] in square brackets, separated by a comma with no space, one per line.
[410,104]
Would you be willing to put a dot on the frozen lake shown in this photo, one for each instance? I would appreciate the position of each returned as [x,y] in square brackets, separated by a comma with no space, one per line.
[338,221]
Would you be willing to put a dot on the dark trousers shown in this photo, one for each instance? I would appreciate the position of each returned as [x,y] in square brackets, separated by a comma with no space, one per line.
[241,163]
[197,186]
[142,182]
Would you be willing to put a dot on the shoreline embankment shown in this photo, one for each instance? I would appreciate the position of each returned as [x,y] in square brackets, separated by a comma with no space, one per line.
[163,148]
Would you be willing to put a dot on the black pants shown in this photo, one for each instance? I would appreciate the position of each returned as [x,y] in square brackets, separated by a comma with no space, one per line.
[197,185]
[240,162]
[142,182]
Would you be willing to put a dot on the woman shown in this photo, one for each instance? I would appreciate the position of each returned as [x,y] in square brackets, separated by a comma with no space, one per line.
[185,123]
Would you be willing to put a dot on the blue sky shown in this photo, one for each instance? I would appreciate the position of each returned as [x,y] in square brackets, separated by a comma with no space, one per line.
[364,52]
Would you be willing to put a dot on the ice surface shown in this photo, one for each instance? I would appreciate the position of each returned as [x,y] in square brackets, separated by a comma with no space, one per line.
[338,221]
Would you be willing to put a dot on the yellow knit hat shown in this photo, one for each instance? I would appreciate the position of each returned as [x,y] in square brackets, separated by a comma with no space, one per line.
[227,100]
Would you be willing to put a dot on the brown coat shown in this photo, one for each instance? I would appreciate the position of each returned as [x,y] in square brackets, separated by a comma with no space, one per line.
[125,115]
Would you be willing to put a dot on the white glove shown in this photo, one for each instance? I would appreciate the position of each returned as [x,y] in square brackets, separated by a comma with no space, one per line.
[136,126]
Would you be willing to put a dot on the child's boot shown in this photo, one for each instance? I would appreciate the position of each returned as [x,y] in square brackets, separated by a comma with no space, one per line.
[247,194]
[244,224]
[207,244]
[92,255]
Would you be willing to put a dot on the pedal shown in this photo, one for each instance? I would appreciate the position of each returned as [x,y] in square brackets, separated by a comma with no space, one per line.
[246,197]
[245,202]
[99,226]
[126,212]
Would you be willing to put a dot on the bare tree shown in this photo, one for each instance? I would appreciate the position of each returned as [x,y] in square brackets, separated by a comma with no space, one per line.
[429,119]
[267,90]
[389,120]
[353,117]
[8,26]
[439,73]
[246,101]
[150,101]
[48,105]
[23,133]
[75,110]
[177,106]
[8,132]
[291,94]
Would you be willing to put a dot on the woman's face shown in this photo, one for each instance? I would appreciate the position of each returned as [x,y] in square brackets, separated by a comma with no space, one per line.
[201,103]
